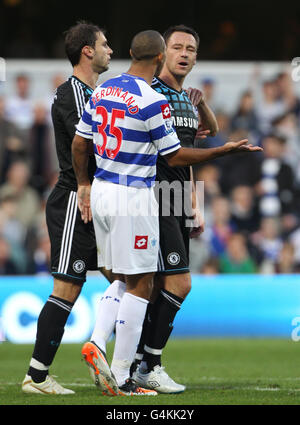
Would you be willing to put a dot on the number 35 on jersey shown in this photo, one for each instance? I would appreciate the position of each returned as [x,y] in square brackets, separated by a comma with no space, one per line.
[111,130]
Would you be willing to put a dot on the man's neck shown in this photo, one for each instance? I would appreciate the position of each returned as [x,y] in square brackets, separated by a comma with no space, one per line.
[176,82]
[143,71]
[85,74]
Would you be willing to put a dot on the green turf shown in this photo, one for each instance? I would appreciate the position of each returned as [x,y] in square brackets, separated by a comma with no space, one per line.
[215,371]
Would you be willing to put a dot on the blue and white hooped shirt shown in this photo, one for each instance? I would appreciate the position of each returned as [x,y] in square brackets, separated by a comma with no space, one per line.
[130,123]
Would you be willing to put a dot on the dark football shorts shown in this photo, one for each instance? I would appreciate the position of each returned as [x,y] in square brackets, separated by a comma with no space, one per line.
[173,257]
[73,243]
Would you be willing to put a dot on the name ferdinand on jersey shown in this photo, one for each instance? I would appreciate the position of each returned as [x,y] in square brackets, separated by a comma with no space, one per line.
[184,122]
[117,92]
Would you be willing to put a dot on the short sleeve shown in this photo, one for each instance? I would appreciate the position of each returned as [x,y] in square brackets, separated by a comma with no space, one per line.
[84,127]
[159,123]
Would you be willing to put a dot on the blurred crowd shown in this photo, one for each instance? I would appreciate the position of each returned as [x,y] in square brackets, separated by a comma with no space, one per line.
[251,201]
[28,171]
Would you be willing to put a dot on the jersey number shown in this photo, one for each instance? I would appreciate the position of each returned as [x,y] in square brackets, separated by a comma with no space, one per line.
[113,130]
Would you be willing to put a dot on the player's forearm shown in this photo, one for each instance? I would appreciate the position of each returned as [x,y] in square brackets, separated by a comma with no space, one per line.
[190,156]
[208,119]
[80,156]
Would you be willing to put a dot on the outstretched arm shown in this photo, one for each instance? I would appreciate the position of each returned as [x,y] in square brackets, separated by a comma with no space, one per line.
[189,156]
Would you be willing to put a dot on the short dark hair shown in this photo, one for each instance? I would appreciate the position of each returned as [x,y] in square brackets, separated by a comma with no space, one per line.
[181,28]
[80,35]
[146,45]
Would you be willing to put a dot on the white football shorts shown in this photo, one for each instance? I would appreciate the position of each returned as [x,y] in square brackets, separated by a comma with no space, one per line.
[126,227]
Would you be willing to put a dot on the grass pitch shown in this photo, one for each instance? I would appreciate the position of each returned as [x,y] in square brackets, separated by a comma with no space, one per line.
[215,371]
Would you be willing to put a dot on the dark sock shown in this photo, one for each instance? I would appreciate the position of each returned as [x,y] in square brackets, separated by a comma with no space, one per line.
[159,328]
[140,348]
[50,330]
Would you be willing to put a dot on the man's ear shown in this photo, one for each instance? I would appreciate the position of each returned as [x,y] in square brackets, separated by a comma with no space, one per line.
[160,56]
[130,52]
[88,51]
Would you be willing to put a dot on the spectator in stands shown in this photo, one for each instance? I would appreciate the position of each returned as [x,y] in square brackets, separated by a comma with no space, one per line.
[269,107]
[56,81]
[289,223]
[236,258]
[245,117]
[209,174]
[210,267]
[19,107]
[286,127]
[200,249]
[41,146]
[286,259]
[13,231]
[40,261]
[276,182]
[286,92]
[244,212]
[239,170]
[208,87]
[268,241]
[17,185]
[11,145]
[200,252]
[7,267]
[294,239]
[218,234]
[38,244]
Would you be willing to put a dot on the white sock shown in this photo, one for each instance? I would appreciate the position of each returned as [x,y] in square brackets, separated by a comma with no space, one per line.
[107,313]
[128,331]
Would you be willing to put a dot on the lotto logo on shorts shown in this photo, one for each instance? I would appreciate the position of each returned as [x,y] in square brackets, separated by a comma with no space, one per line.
[165,109]
[141,242]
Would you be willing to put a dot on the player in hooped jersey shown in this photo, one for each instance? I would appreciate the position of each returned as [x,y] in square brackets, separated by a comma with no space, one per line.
[130,126]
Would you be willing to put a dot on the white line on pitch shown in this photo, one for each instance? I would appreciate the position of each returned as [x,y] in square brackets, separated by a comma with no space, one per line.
[193,387]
